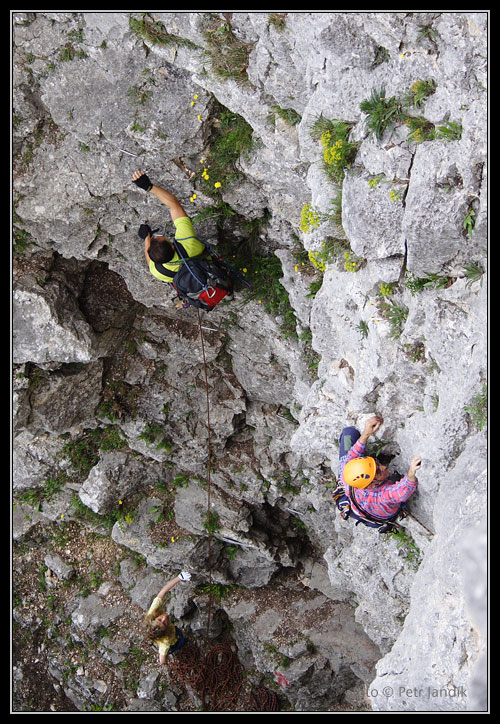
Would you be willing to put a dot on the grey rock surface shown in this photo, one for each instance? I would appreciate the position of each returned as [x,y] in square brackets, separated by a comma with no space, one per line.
[98,344]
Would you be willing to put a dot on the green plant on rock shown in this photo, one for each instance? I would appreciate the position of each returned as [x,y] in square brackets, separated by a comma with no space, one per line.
[429,281]
[154,32]
[211,522]
[382,55]
[52,485]
[374,181]
[218,590]
[423,130]
[386,289]
[474,273]
[478,409]
[310,219]
[469,222]
[420,129]
[395,196]
[181,481]
[415,351]
[155,434]
[451,131]
[316,261]
[83,451]
[426,31]
[277,20]
[352,262]
[396,315]
[232,137]
[419,91]
[289,115]
[411,551]
[338,151]
[382,112]
[314,288]
[362,328]
[227,53]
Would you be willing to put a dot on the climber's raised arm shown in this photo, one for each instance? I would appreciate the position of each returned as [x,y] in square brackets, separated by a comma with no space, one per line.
[172,202]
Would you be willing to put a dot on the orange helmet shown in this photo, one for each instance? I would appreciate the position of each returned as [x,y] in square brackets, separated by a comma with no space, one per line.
[359,473]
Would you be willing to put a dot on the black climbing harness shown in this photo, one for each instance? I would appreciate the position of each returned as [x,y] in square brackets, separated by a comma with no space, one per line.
[349,507]
[345,505]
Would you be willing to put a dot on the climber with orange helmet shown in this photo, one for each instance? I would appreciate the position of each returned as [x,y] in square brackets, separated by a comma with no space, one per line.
[365,487]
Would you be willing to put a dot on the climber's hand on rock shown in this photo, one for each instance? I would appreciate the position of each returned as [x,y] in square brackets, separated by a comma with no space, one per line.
[372,425]
[142,180]
[414,465]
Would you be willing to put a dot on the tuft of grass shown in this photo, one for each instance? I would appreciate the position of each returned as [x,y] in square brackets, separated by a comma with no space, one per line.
[478,409]
[228,54]
[382,112]
[154,32]
[474,273]
[289,115]
[396,315]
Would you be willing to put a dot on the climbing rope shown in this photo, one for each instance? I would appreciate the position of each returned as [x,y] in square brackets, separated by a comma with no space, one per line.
[216,675]
[209,462]
[410,515]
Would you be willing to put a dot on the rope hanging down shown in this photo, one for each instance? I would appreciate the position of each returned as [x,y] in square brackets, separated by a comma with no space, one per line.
[209,502]
[216,675]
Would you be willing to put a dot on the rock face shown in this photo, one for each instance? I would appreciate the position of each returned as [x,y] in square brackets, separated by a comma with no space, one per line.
[378,305]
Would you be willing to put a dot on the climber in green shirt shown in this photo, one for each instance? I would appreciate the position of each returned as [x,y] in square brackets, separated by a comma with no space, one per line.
[162,258]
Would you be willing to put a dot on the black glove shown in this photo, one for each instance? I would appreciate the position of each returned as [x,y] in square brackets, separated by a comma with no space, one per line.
[144,230]
[143,182]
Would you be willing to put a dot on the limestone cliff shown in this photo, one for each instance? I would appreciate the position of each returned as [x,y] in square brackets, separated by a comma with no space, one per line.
[339,161]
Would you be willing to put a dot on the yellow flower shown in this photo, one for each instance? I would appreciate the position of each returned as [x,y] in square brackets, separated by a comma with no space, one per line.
[296,268]
[62,516]
[202,160]
[260,301]
[172,539]
[120,502]
[217,184]
[244,270]
[198,117]
[192,103]
[195,96]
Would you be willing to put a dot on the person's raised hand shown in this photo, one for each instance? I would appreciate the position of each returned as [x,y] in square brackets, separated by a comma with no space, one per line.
[373,424]
[414,466]
[142,180]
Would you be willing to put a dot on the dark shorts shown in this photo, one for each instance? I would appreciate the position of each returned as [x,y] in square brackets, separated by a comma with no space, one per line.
[180,641]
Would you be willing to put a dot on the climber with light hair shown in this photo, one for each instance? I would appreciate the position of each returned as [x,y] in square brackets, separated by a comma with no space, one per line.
[366,490]
[159,628]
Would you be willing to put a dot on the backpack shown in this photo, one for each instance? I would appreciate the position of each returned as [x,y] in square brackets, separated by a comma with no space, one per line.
[201,281]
